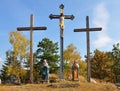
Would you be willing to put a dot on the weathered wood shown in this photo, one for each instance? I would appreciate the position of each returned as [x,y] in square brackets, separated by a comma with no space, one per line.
[28,28]
[31,29]
[87,30]
[90,29]
[61,18]
[58,16]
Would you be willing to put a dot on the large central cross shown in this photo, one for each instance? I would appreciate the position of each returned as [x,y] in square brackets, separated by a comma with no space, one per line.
[87,30]
[61,18]
[31,29]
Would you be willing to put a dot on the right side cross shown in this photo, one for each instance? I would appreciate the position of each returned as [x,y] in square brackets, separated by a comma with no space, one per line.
[87,30]
[61,17]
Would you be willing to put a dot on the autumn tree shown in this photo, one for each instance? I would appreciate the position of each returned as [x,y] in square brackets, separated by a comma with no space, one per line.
[20,51]
[70,55]
[20,44]
[101,66]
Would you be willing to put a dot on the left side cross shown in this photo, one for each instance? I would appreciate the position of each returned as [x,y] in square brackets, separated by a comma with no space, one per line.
[31,29]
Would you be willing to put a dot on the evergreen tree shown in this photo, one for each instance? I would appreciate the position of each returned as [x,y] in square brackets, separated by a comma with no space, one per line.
[116,60]
[10,67]
[49,51]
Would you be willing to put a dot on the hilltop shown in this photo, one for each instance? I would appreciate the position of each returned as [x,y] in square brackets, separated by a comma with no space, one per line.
[84,86]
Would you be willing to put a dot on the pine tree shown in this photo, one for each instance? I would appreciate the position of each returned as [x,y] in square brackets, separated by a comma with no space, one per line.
[49,51]
[10,67]
[116,61]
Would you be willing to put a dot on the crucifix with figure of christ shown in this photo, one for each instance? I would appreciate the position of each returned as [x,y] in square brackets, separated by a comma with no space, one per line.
[87,30]
[31,29]
[61,18]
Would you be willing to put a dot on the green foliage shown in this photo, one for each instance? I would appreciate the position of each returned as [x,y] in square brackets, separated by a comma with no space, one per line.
[3,74]
[49,51]
[11,66]
[101,66]
[116,60]
[104,65]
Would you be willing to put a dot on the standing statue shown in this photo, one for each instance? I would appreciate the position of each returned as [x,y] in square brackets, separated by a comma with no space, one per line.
[45,71]
[75,71]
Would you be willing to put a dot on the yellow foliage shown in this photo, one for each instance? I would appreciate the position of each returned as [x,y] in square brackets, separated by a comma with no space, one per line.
[20,43]
[70,55]
[83,67]
[14,70]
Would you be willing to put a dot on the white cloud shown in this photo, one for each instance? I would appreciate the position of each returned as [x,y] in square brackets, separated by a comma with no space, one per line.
[1,59]
[100,19]
[103,40]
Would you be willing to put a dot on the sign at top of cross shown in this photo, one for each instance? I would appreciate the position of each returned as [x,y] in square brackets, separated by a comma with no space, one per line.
[61,14]
[61,18]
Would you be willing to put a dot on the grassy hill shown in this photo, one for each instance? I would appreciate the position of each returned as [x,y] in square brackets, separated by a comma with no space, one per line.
[84,86]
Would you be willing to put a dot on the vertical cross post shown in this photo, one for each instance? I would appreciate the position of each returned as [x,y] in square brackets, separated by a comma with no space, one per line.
[31,29]
[87,30]
[88,50]
[61,18]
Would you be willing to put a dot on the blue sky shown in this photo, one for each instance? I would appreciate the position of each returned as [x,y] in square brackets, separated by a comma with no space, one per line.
[102,13]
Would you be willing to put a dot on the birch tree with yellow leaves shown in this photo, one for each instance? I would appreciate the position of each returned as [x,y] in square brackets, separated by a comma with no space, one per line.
[70,55]
[20,50]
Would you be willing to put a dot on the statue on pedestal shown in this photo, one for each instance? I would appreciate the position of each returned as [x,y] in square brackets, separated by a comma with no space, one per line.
[45,71]
[75,71]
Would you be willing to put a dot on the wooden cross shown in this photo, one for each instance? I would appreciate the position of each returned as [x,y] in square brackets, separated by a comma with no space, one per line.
[61,18]
[31,29]
[87,30]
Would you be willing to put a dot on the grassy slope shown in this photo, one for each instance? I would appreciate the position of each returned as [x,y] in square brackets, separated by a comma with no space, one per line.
[84,86]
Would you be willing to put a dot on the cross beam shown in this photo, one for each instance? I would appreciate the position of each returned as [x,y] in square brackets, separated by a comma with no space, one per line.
[90,29]
[61,18]
[28,28]
[31,29]
[87,30]
[58,16]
